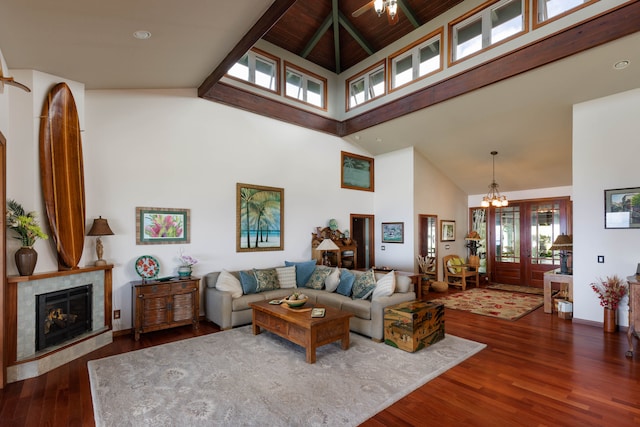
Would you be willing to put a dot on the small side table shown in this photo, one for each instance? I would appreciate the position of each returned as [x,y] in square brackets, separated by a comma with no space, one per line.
[554,276]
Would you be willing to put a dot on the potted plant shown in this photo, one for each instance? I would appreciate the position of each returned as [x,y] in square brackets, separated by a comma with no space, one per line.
[610,292]
[186,265]
[25,224]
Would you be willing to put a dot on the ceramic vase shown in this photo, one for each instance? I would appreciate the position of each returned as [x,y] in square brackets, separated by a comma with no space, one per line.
[26,258]
[184,271]
[610,325]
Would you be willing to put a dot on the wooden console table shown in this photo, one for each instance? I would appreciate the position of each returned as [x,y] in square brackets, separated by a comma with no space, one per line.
[634,310]
[554,276]
[166,304]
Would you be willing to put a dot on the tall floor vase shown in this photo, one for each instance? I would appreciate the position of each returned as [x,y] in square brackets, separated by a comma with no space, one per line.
[610,324]
[26,258]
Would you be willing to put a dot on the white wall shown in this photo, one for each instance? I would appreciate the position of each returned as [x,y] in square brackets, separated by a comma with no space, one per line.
[168,148]
[605,156]
[435,194]
[394,203]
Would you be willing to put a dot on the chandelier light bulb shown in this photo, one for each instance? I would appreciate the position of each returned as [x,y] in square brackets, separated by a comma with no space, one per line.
[493,197]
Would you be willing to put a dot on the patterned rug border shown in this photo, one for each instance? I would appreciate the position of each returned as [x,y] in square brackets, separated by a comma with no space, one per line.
[473,301]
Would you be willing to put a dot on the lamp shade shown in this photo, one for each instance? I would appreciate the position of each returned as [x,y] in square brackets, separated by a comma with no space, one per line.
[327,245]
[562,243]
[100,227]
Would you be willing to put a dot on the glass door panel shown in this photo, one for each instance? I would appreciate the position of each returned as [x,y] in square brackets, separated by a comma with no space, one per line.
[508,234]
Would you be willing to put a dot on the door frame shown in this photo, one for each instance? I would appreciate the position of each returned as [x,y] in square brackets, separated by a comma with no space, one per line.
[361,245]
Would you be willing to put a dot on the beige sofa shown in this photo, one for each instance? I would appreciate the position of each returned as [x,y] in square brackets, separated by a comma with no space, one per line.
[227,312]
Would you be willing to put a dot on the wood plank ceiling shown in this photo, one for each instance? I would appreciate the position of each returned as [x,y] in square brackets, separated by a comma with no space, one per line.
[325,32]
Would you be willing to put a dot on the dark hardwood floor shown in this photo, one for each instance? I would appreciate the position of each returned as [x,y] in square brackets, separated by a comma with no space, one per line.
[539,370]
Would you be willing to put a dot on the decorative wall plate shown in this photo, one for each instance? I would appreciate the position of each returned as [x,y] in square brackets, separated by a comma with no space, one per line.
[147,267]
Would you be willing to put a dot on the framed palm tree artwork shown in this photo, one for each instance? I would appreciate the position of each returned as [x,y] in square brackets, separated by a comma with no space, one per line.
[259,218]
[356,172]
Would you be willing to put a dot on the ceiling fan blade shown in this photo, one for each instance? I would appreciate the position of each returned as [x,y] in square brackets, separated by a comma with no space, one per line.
[363,9]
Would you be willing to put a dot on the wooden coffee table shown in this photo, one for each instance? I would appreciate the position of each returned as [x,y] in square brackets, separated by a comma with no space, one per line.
[300,328]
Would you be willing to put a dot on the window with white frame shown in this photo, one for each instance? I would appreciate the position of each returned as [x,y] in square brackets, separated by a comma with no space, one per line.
[418,61]
[497,22]
[305,86]
[366,86]
[258,68]
[547,10]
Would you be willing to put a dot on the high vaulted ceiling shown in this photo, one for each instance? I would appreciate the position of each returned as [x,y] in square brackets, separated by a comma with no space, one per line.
[309,28]
[526,118]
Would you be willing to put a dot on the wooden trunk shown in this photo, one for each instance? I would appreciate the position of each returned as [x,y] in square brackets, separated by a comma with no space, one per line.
[413,325]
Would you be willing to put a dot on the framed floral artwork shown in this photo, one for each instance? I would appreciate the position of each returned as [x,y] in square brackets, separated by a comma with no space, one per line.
[259,218]
[356,172]
[156,226]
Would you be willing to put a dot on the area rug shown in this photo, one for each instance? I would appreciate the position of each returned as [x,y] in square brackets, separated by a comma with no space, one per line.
[516,288]
[234,378]
[489,302]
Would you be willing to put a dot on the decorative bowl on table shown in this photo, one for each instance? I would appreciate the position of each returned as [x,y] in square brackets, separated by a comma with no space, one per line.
[296,301]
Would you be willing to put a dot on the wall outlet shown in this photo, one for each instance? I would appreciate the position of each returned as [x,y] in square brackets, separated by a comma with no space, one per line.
[116,314]
[600,259]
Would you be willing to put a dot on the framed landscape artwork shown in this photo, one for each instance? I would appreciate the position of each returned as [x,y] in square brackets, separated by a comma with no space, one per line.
[259,218]
[448,231]
[155,226]
[356,172]
[622,208]
[393,232]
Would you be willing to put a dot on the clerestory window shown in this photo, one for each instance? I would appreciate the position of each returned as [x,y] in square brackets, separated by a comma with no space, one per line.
[549,10]
[419,60]
[257,68]
[366,86]
[304,86]
[500,21]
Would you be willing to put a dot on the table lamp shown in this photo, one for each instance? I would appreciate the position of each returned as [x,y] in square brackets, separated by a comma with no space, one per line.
[327,245]
[100,228]
[564,244]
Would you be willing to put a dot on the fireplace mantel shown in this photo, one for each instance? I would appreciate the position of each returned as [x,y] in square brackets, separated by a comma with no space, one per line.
[11,313]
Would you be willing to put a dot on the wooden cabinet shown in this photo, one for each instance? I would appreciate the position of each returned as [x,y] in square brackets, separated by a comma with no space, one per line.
[634,310]
[346,254]
[165,304]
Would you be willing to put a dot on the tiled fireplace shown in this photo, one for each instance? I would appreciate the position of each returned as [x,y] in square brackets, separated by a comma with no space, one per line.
[77,315]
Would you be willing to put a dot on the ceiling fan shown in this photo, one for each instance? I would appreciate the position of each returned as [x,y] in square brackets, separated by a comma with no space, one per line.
[391,7]
[11,82]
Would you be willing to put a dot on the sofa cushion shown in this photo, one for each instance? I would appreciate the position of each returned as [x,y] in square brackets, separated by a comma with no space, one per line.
[316,281]
[385,286]
[287,276]
[332,281]
[451,265]
[364,285]
[304,270]
[267,279]
[242,303]
[229,283]
[334,300]
[248,282]
[403,284]
[359,307]
[346,283]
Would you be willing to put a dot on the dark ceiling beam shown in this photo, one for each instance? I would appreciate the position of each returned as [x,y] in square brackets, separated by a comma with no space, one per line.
[317,36]
[264,24]
[357,36]
[411,16]
[336,34]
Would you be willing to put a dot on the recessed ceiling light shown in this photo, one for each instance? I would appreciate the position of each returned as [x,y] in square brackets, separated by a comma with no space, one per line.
[142,34]
[378,139]
[620,65]
[357,137]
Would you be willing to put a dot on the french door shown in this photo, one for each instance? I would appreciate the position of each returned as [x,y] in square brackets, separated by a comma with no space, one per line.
[521,236]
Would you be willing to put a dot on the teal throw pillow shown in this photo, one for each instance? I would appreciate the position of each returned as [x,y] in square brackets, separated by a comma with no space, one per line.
[316,281]
[304,270]
[364,285]
[248,282]
[346,283]
[267,279]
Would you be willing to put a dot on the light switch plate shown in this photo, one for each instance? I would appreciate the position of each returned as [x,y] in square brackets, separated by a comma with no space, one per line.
[600,259]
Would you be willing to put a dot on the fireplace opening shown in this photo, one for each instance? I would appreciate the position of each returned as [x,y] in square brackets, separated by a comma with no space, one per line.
[62,315]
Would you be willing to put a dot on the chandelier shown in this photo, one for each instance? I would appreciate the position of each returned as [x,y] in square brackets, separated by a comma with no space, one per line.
[493,197]
[390,5]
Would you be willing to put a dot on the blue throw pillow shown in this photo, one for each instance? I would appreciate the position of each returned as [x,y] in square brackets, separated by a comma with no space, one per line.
[248,282]
[346,283]
[304,270]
